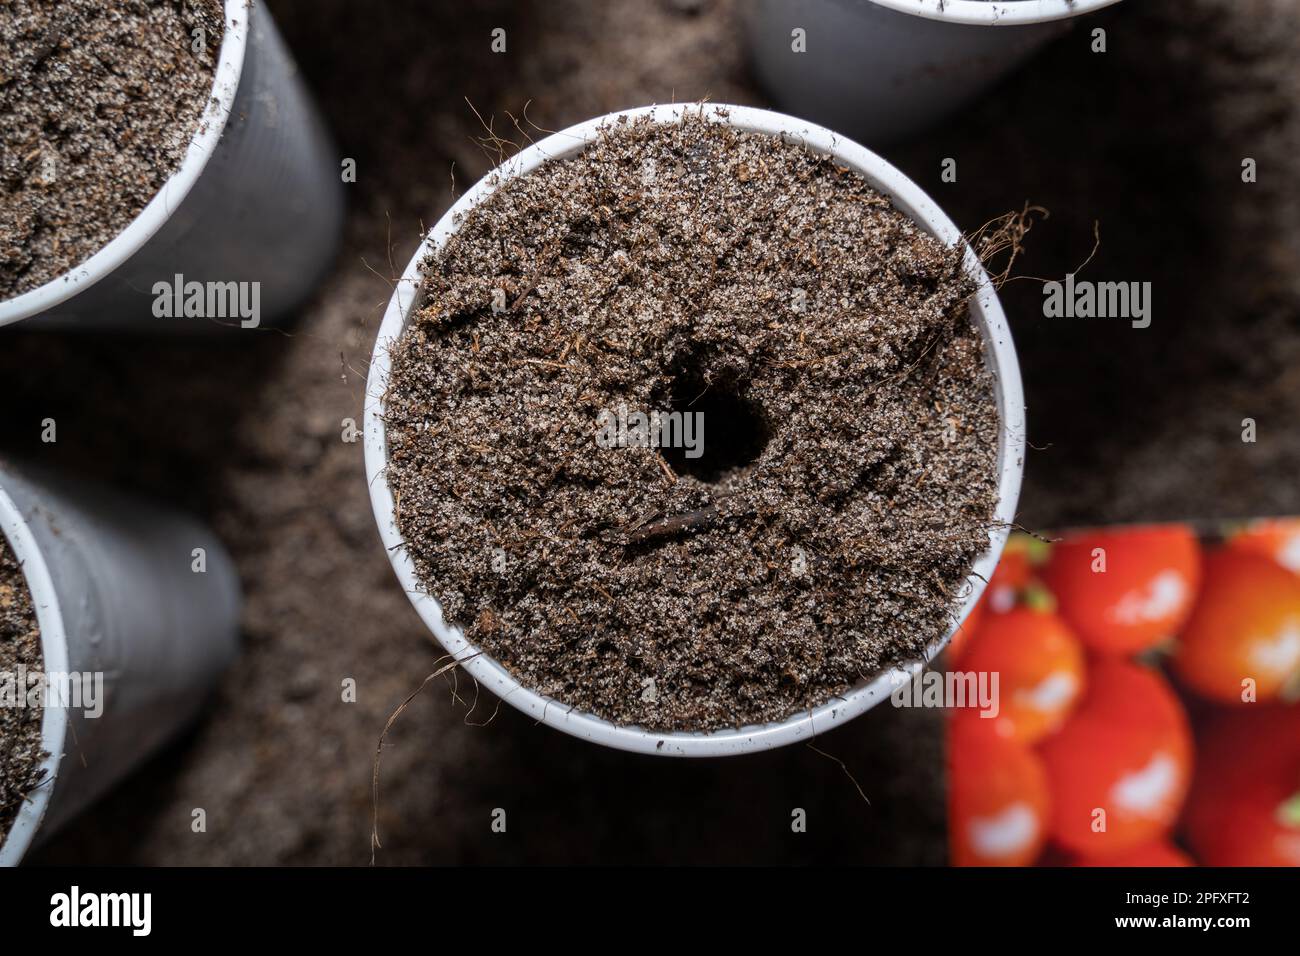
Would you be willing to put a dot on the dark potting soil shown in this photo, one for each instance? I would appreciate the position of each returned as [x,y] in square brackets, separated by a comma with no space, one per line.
[847,479]
[98,103]
[20,726]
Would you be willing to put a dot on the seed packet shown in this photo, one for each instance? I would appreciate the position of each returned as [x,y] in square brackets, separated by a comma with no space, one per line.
[1146,705]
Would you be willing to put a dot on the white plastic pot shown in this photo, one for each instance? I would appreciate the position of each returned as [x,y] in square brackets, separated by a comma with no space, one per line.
[115,592]
[880,70]
[984,309]
[257,198]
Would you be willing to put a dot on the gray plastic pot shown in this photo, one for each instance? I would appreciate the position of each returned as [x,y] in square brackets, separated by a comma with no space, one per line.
[258,198]
[1000,356]
[115,591]
[880,70]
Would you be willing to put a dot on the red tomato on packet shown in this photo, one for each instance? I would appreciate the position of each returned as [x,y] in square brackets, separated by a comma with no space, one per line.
[1244,807]
[1124,590]
[1242,644]
[1013,573]
[997,797]
[1160,853]
[1276,538]
[1009,579]
[1039,666]
[1119,768]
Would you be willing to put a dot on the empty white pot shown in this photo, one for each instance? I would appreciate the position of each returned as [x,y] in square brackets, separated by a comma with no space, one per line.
[257,198]
[115,589]
[880,70]
[985,311]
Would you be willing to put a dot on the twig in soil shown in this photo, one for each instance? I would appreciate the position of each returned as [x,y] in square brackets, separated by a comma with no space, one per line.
[45,781]
[545,363]
[664,527]
[667,469]
[905,373]
[549,256]
[392,719]
[670,526]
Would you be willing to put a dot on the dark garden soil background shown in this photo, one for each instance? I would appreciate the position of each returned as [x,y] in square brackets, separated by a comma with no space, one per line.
[1132,424]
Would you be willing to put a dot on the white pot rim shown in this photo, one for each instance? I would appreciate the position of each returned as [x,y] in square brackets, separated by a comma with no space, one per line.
[910,200]
[220,104]
[998,13]
[54,654]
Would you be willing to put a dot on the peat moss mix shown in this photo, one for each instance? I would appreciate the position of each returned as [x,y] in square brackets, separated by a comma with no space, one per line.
[693,430]
[20,726]
[99,100]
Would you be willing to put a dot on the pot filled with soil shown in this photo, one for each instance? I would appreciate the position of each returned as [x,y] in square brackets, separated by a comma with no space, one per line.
[162,167]
[881,70]
[692,430]
[116,619]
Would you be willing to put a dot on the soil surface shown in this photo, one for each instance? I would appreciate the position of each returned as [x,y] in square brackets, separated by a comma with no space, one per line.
[98,103]
[1126,423]
[817,351]
[20,726]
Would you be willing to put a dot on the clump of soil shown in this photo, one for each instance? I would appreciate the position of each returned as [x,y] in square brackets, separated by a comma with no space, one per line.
[850,429]
[20,726]
[98,103]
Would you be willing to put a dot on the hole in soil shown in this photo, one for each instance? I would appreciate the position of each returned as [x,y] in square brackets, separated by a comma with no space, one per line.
[734,432]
